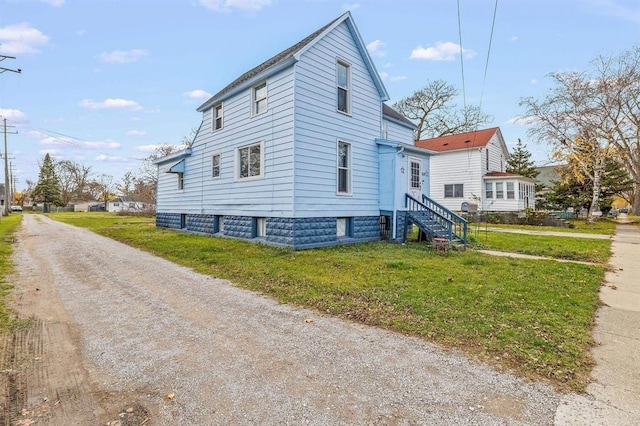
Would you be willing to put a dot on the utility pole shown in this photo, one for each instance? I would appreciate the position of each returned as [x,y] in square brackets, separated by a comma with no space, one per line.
[6,168]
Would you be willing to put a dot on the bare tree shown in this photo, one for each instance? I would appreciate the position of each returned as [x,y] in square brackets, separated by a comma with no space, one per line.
[567,118]
[595,112]
[126,187]
[102,188]
[146,184]
[73,178]
[435,113]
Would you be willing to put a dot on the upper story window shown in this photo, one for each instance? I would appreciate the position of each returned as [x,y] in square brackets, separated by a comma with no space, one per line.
[344,168]
[217,117]
[385,129]
[215,166]
[486,155]
[344,87]
[249,161]
[260,98]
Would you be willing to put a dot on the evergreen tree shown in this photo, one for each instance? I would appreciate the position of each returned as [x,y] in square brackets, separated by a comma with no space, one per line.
[520,163]
[48,189]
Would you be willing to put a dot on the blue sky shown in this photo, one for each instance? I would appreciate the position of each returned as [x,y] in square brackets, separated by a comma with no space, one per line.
[104,81]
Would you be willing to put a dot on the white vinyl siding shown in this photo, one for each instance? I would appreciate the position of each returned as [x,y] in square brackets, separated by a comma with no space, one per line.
[454,190]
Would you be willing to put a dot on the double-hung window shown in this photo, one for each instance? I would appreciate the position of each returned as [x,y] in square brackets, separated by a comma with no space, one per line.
[453,190]
[215,166]
[260,98]
[510,191]
[180,181]
[217,117]
[344,83]
[249,161]
[488,190]
[344,168]
[499,190]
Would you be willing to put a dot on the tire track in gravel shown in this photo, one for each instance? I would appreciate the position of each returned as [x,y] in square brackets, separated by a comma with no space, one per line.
[142,328]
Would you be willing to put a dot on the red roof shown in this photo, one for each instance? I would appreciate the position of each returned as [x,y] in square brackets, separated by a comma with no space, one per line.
[476,139]
[501,174]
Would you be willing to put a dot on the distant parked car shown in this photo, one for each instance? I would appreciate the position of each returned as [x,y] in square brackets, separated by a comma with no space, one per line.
[16,208]
[623,210]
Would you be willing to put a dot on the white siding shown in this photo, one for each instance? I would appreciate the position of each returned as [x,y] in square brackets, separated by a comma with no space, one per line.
[455,167]
[319,126]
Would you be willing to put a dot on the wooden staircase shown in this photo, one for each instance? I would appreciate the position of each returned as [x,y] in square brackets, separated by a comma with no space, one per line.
[435,221]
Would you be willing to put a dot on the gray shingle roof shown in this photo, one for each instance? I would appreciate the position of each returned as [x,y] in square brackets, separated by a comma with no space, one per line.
[279,58]
[392,113]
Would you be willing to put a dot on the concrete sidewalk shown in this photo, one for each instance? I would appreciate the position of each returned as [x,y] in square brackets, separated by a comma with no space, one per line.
[549,233]
[613,398]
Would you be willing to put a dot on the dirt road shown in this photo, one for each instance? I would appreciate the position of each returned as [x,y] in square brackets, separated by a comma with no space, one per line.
[112,335]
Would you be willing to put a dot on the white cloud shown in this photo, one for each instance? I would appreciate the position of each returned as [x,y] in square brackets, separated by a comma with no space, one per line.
[21,39]
[350,6]
[522,121]
[68,141]
[111,103]
[446,51]
[616,8]
[110,158]
[398,78]
[533,81]
[52,152]
[513,38]
[384,75]
[14,116]
[228,5]
[136,133]
[388,65]
[376,48]
[123,56]
[198,94]
[54,3]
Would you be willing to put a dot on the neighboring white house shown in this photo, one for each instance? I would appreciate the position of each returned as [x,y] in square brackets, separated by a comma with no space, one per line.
[300,151]
[470,169]
[126,204]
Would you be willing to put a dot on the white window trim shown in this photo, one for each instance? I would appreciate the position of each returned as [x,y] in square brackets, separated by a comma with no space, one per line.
[349,169]
[453,190]
[219,165]
[213,117]
[348,88]
[254,100]
[180,181]
[236,155]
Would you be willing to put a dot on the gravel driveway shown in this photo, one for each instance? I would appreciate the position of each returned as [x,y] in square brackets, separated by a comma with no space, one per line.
[188,349]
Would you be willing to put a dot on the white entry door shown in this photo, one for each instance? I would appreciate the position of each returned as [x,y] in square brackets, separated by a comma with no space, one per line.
[415,178]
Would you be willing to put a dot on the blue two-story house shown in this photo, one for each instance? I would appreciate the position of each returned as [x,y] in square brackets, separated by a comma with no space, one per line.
[300,151]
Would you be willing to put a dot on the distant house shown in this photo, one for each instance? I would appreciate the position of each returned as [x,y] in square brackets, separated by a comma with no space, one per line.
[301,151]
[88,206]
[126,204]
[469,172]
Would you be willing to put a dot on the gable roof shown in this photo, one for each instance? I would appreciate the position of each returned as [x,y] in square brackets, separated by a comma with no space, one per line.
[396,116]
[291,55]
[468,140]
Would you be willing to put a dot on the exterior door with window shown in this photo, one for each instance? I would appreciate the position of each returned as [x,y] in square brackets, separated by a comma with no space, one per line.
[415,178]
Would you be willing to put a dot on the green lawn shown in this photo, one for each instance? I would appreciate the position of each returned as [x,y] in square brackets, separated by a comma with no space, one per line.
[534,317]
[582,249]
[8,225]
[602,226]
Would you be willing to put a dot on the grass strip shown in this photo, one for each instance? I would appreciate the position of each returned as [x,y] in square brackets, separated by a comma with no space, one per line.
[533,317]
[8,225]
[582,249]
